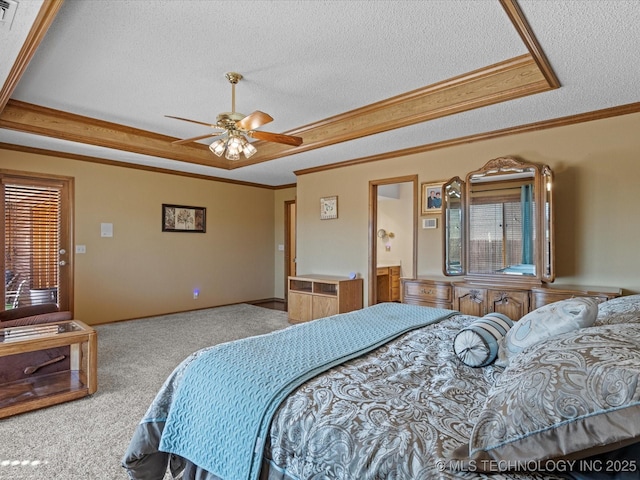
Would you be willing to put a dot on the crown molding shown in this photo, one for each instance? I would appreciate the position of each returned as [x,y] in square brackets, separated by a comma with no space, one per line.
[43,21]
[507,80]
[116,163]
[531,127]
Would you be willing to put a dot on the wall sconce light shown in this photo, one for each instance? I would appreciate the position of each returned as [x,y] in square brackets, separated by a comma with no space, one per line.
[382,233]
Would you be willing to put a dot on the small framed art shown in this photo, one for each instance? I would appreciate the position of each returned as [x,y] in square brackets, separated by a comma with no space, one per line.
[181,218]
[431,198]
[328,208]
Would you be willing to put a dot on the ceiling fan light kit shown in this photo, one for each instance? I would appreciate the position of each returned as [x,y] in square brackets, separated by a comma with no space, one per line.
[236,128]
[232,146]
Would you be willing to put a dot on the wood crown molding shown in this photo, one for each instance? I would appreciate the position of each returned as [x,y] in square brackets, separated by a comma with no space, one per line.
[43,21]
[531,42]
[115,163]
[558,122]
[503,81]
[514,78]
[531,127]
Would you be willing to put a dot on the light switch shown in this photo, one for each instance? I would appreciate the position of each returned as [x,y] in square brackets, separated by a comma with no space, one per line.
[81,249]
[281,248]
[106,229]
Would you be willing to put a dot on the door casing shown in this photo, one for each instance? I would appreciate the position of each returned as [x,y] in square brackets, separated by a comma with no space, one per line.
[373,229]
[66,240]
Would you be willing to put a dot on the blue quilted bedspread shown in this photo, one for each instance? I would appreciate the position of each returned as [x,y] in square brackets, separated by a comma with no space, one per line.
[222,407]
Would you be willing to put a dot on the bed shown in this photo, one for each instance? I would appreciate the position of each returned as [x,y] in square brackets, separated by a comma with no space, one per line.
[441,395]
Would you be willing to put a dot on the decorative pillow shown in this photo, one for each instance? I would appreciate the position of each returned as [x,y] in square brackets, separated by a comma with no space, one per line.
[571,397]
[619,310]
[547,321]
[477,344]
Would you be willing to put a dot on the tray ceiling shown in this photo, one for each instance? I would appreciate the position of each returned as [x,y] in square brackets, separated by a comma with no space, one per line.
[356,80]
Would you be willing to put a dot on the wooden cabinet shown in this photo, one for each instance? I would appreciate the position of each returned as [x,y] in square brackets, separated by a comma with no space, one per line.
[476,299]
[388,279]
[480,300]
[38,389]
[317,296]
[427,291]
[553,293]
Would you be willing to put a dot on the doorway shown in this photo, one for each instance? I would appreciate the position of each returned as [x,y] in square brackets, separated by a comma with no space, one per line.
[393,205]
[36,240]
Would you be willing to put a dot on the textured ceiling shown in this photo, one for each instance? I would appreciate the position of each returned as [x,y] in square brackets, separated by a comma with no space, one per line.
[132,62]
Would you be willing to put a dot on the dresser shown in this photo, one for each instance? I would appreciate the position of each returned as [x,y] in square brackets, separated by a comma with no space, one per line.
[427,291]
[480,299]
[317,296]
[552,293]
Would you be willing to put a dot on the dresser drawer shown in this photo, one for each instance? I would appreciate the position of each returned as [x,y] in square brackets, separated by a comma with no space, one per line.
[426,291]
[555,293]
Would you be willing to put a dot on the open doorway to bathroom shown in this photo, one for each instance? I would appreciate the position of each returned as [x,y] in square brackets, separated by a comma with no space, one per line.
[393,216]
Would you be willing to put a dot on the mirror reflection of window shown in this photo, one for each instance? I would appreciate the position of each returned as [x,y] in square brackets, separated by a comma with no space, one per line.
[498,223]
[502,231]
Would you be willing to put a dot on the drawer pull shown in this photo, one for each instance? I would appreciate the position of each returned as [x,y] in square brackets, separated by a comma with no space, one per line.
[424,291]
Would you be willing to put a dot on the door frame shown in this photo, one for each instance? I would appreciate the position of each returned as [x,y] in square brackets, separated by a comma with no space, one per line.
[373,229]
[290,247]
[67,195]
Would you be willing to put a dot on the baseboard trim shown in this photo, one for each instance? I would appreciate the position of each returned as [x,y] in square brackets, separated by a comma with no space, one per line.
[273,303]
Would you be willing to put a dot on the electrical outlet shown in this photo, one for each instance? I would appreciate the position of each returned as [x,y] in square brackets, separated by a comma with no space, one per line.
[196,294]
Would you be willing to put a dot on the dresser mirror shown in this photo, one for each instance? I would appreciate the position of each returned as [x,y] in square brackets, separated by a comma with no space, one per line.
[498,223]
[453,226]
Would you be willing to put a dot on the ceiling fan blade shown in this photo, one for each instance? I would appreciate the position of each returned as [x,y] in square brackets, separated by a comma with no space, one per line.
[212,125]
[194,139]
[276,137]
[254,120]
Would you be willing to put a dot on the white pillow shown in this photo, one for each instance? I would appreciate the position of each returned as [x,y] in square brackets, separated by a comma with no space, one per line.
[544,322]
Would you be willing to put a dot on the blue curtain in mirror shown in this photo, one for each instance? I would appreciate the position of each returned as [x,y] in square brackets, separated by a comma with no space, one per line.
[526,203]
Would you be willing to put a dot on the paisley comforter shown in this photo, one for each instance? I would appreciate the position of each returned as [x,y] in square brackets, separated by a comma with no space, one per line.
[398,412]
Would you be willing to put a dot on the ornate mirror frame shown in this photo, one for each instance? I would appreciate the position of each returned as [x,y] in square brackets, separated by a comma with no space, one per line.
[522,250]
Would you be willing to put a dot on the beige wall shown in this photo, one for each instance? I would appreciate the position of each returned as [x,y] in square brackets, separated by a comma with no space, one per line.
[597,187]
[142,271]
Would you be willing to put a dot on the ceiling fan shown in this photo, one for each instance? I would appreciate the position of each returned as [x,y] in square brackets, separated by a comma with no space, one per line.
[236,128]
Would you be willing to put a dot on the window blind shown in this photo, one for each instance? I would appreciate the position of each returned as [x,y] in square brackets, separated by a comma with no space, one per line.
[31,240]
[495,236]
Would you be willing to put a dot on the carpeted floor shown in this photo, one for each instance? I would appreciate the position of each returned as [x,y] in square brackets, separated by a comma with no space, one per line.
[86,439]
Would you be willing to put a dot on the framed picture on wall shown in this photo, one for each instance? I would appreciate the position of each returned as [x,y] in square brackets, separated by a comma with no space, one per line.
[181,218]
[328,208]
[431,198]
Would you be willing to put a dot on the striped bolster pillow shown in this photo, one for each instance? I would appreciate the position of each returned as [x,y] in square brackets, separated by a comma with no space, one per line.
[477,344]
